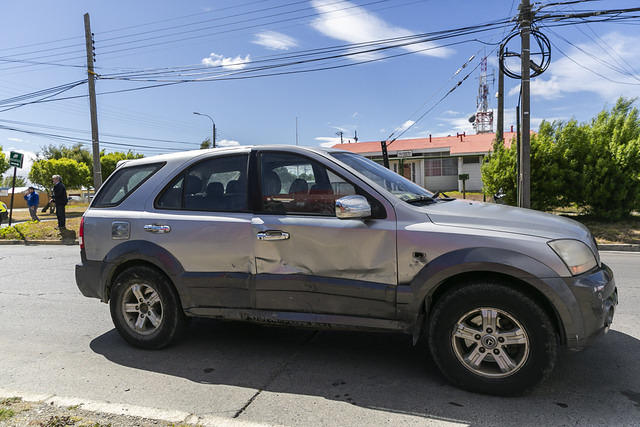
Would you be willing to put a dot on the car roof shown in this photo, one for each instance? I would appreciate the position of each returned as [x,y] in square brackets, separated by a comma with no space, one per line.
[186,155]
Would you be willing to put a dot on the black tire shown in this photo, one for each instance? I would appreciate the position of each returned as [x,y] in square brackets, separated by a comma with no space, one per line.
[172,320]
[536,363]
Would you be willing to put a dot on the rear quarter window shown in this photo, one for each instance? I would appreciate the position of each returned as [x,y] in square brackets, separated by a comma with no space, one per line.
[122,183]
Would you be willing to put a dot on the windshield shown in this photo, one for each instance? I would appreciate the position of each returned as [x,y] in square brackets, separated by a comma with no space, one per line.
[396,184]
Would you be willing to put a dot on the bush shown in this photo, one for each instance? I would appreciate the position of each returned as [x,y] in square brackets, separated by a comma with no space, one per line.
[595,166]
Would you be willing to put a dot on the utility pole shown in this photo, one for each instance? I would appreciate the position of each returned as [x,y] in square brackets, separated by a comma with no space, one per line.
[97,170]
[500,122]
[524,178]
[355,135]
[340,133]
[296,130]
[213,128]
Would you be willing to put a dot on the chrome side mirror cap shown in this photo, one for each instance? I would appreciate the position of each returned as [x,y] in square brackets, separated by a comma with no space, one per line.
[350,207]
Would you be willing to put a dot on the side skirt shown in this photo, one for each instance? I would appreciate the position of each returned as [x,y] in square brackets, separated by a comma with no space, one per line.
[316,321]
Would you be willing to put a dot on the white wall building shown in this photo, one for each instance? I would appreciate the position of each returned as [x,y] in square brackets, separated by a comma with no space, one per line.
[435,163]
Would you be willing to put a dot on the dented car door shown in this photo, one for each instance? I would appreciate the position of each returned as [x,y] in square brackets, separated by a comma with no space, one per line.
[307,259]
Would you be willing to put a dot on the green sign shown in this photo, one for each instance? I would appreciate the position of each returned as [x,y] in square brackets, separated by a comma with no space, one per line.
[15,159]
[463,176]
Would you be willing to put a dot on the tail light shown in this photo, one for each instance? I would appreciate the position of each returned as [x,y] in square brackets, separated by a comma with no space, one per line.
[81,233]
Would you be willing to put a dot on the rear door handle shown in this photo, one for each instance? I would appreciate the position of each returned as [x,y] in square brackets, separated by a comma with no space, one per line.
[273,235]
[157,228]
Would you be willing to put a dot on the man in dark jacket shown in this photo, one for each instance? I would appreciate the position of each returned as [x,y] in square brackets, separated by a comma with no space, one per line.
[60,199]
[33,200]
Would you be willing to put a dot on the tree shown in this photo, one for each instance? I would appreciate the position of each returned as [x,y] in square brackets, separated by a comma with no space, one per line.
[108,162]
[205,144]
[73,173]
[7,181]
[4,163]
[595,165]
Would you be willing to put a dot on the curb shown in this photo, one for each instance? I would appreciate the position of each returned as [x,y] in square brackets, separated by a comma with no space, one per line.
[166,415]
[625,247]
[39,242]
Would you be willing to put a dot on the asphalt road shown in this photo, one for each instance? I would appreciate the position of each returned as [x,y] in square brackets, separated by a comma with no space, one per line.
[53,340]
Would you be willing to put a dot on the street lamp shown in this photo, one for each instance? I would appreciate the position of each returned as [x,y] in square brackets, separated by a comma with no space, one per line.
[213,139]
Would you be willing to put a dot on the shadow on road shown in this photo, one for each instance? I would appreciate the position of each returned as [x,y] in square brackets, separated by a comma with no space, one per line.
[385,372]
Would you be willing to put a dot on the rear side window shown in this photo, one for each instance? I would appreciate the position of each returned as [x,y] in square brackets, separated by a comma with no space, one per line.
[218,184]
[122,183]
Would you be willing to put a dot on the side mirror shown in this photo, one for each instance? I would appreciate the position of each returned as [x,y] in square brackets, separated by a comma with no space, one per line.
[350,207]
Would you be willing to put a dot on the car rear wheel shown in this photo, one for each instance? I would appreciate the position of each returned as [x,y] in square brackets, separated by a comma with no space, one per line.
[489,338]
[145,308]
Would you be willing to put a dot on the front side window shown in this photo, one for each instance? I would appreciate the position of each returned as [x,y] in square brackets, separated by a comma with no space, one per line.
[392,182]
[122,183]
[216,184]
[291,183]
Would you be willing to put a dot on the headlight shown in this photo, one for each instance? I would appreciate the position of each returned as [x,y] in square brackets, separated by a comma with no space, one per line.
[575,254]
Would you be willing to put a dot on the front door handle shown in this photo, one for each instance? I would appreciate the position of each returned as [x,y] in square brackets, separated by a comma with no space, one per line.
[273,235]
[157,228]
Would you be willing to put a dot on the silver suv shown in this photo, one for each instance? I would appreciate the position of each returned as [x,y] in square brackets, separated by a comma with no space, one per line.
[330,239]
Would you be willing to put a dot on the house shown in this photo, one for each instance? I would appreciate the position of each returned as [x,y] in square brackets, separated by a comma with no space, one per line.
[435,162]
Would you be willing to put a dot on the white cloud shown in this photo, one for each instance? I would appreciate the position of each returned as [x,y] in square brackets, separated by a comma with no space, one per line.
[354,115]
[229,63]
[328,141]
[15,139]
[353,24]
[405,125]
[275,41]
[226,143]
[565,76]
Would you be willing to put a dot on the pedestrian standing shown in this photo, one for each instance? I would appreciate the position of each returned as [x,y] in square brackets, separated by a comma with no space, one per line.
[33,200]
[60,200]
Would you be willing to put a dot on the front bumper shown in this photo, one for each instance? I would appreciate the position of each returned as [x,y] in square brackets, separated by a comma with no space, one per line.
[597,297]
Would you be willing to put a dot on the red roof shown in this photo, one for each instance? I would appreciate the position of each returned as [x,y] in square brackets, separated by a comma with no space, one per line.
[463,144]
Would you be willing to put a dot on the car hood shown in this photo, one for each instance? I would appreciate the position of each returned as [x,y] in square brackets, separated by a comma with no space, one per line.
[494,217]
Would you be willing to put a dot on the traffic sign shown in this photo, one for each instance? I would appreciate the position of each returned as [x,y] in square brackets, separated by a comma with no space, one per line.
[15,159]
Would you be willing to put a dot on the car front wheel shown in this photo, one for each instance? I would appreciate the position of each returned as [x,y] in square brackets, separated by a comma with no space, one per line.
[145,309]
[490,338]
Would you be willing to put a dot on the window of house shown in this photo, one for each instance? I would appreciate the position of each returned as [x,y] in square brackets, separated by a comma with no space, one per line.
[446,166]
[470,159]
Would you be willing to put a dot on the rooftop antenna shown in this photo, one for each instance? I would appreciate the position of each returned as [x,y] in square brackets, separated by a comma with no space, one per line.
[483,122]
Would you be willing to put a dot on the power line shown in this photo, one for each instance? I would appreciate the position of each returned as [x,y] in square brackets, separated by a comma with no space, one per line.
[84,141]
[66,129]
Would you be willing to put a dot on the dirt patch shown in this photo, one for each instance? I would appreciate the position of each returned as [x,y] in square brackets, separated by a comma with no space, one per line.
[20,413]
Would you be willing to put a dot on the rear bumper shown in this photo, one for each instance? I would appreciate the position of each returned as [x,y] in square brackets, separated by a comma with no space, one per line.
[597,298]
[88,279]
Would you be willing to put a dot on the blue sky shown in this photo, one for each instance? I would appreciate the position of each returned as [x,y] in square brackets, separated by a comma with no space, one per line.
[373,98]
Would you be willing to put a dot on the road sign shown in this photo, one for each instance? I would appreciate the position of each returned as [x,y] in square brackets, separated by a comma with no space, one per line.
[404,153]
[15,159]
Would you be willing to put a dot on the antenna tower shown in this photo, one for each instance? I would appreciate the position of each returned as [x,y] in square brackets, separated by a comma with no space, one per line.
[484,117]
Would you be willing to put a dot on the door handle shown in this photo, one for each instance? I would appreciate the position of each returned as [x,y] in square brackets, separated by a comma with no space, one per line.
[273,235]
[157,228]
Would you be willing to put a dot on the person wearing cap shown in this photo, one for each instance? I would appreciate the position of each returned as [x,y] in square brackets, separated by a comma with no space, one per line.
[33,200]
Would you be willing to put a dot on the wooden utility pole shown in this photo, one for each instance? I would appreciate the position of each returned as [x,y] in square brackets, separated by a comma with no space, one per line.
[524,178]
[97,170]
[500,122]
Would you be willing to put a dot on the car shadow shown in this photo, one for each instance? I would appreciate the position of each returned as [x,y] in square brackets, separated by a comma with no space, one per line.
[385,372]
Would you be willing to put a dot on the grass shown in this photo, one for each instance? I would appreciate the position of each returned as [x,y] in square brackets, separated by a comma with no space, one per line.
[470,195]
[622,231]
[72,211]
[45,230]
[6,413]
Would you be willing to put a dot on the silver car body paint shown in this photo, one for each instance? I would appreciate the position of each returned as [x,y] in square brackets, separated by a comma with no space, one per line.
[381,255]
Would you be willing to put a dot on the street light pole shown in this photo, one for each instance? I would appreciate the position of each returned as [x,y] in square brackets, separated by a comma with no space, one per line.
[213,133]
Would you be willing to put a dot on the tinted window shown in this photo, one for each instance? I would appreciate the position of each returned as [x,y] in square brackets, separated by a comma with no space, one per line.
[291,183]
[217,184]
[122,183]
